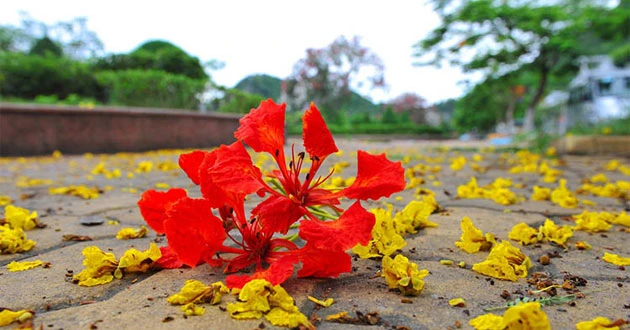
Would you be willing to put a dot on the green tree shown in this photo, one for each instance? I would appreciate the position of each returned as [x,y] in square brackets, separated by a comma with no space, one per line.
[46,47]
[155,55]
[509,35]
[327,76]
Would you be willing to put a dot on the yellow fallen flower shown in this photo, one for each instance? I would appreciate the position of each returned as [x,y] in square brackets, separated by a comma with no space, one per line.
[581,245]
[324,303]
[16,266]
[134,261]
[8,316]
[14,240]
[192,310]
[414,216]
[99,267]
[162,185]
[622,219]
[554,233]
[616,259]
[458,163]
[144,167]
[527,316]
[195,291]
[564,197]
[541,194]
[76,190]
[472,239]
[18,217]
[524,234]
[385,240]
[487,322]
[5,200]
[403,275]
[131,233]
[259,298]
[598,323]
[457,302]
[593,222]
[504,262]
[524,316]
[25,182]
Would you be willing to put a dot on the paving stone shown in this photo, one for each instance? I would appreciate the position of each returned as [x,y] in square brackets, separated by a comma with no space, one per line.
[138,301]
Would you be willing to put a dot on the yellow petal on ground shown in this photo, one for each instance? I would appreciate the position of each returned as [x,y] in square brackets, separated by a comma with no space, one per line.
[616,259]
[403,275]
[581,245]
[472,239]
[524,234]
[554,233]
[598,323]
[16,266]
[14,240]
[8,316]
[415,216]
[191,309]
[131,233]
[622,218]
[99,267]
[564,197]
[258,297]
[324,303]
[457,302]
[76,190]
[18,217]
[385,240]
[337,316]
[134,261]
[527,316]
[504,262]
[162,185]
[195,291]
[541,194]
[593,222]
[487,322]
[5,200]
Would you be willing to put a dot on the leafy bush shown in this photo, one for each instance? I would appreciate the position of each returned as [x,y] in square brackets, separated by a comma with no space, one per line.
[151,88]
[378,128]
[27,76]
[154,55]
[621,55]
[236,101]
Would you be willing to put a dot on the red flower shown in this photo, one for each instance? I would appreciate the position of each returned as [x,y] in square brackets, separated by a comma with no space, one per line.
[227,175]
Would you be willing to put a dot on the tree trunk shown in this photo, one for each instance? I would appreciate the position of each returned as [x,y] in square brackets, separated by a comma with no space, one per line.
[528,126]
[509,113]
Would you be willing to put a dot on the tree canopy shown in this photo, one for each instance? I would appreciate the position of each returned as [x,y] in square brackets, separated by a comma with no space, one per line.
[327,75]
[498,37]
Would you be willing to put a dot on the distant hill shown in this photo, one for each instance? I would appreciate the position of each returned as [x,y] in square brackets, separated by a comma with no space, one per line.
[261,84]
[270,87]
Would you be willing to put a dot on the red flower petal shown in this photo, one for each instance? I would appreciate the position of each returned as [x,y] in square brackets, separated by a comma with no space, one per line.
[191,162]
[322,263]
[353,227]
[263,128]
[168,259]
[377,177]
[154,204]
[277,273]
[317,138]
[227,174]
[277,214]
[193,232]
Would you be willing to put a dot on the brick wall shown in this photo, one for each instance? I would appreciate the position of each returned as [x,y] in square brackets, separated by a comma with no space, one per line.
[33,129]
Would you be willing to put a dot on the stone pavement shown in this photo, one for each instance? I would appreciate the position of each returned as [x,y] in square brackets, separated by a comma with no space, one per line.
[138,301]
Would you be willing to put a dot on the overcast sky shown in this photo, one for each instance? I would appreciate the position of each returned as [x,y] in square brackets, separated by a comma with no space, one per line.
[262,36]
